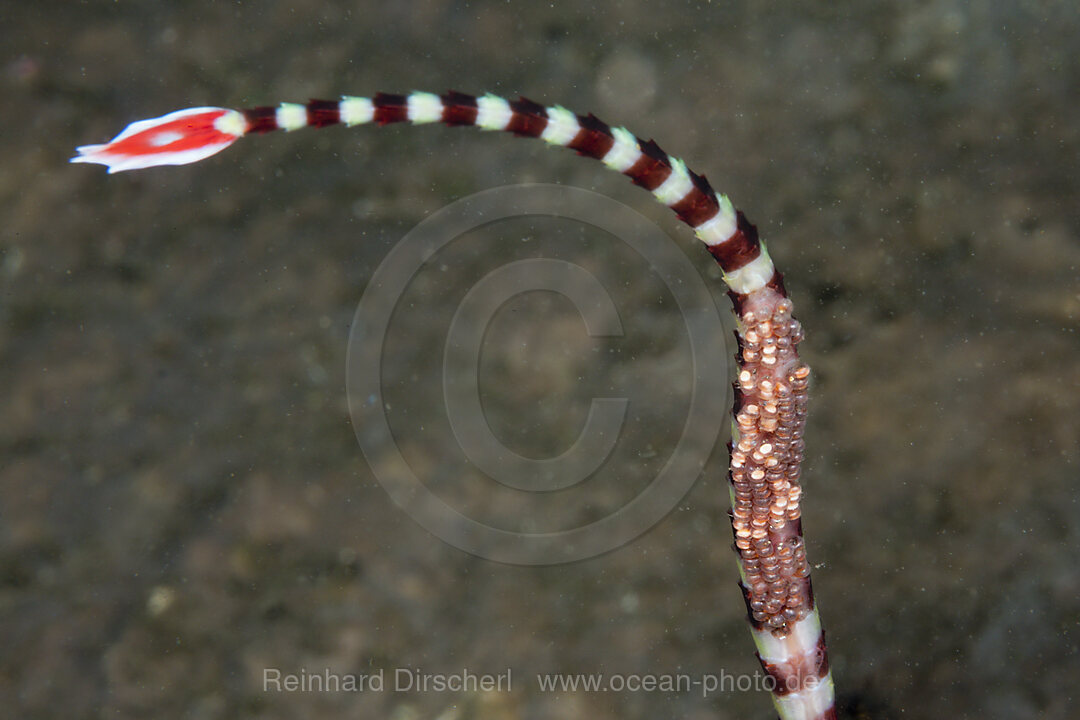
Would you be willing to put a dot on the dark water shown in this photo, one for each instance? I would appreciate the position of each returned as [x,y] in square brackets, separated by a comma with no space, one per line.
[184,502]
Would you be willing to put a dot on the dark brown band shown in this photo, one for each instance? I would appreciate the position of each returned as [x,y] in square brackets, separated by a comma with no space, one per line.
[459,108]
[529,118]
[699,205]
[594,138]
[390,108]
[740,249]
[652,168]
[261,119]
[321,113]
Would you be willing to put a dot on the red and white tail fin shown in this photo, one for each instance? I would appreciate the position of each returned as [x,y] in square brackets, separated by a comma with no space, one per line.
[179,138]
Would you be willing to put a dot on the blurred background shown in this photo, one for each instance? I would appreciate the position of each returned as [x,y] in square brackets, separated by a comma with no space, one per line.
[183,502]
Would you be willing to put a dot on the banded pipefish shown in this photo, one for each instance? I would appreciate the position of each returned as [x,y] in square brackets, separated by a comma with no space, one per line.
[771,388]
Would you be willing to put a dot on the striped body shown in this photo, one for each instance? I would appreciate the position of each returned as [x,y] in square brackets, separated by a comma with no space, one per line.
[771,389]
[730,238]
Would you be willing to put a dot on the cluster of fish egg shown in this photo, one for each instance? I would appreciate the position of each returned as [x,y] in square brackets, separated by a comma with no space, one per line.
[766,460]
